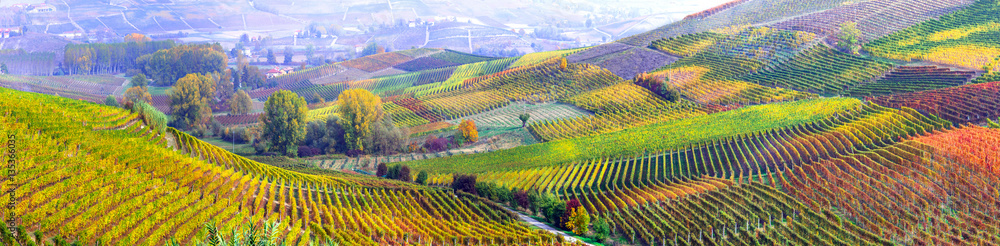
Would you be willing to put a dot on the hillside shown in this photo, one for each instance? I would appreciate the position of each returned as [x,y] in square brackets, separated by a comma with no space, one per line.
[762,122]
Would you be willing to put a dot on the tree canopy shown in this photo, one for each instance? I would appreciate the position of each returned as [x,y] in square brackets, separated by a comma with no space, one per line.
[359,111]
[240,104]
[166,66]
[468,131]
[139,80]
[284,121]
[190,100]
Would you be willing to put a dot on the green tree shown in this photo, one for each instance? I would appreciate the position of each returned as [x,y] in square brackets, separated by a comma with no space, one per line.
[271,59]
[284,121]
[110,101]
[849,37]
[369,49]
[139,80]
[240,104]
[289,53]
[167,66]
[3,68]
[422,177]
[524,119]
[359,111]
[190,100]
[601,229]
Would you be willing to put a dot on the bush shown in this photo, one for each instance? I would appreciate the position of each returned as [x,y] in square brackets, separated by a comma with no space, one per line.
[404,174]
[465,182]
[381,170]
[306,151]
[354,153]
[422,178]
[521,199]
[435,144]
[601,229]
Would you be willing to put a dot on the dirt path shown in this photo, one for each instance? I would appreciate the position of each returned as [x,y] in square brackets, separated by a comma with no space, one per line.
[546,227]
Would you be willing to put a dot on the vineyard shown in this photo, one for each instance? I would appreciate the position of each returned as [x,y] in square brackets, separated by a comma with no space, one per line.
[756,122]
[542,82]
[131,196]
[968,103]
[88,88]
[507,116]
[822,70]
[649,138]
[909,79]
[616,108]
[377,62]
[966,38]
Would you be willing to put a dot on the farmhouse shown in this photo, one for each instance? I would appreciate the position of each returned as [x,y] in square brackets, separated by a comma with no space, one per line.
[42,8]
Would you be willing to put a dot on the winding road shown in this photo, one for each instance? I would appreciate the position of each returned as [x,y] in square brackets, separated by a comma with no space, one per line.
[539,224]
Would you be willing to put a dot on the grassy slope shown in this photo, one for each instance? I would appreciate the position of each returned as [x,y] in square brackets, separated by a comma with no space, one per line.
[637,140]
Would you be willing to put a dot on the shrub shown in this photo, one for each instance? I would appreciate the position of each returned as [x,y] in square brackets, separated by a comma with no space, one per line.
[465,182]
[381,170]
[404,174]
[422,177]
[435,144]
[306,151]
[579,220]
[521,199]
[601,229]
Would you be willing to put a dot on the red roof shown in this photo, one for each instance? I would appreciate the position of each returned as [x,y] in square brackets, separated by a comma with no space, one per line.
[273,70]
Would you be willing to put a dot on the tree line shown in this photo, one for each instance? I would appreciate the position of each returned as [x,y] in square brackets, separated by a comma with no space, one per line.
[105,58]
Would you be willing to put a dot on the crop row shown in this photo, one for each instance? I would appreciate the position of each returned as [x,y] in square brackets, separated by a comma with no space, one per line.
[542,82]
[694,83]
[402,116]
[377,62]
[968,103]
[687,45]
[915,192]
[965,38]
[664,136]
[909,79]
[305,75]
[821,70]
[617,107]
[231,120]
[88,187]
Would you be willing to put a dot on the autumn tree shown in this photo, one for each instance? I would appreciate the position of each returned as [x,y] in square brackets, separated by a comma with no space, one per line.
[137,37]
[167,66]
[224,87]
[579,220]
[240,104]
[468,130]
[563,63]
[359,111]
[284,121]
[138,93]
[190,100]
